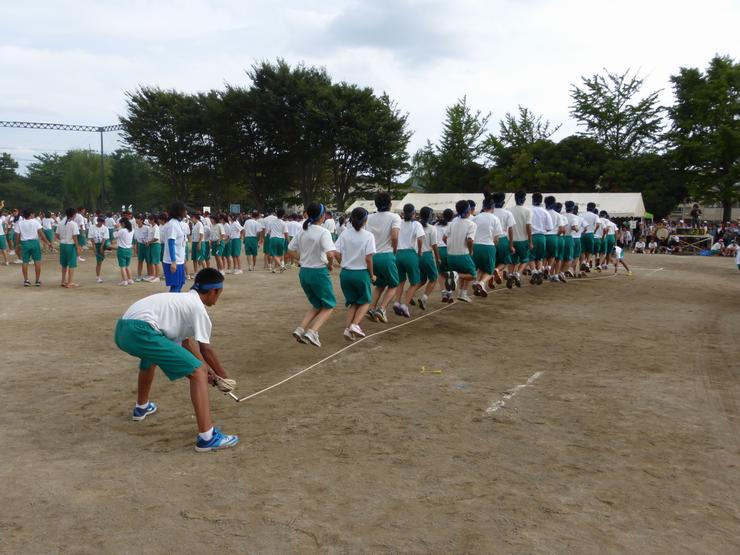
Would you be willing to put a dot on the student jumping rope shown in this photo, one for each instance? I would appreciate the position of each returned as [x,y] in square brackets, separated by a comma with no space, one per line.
[99,236]
[487,231]
[384,225]
[522,235]
[410,242]
[124,237]
[459,239]
[173,260]
[505,246]
[356,247]
[315,250]
[173,332]
[430,258]
[69,248]
[542,224]
[441,228]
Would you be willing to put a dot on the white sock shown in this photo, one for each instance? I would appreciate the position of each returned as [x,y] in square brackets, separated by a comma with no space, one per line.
[207,435]
[145,405]
[425,297]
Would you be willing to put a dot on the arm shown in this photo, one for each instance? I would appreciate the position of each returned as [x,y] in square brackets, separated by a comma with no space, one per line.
[43,238]
[469,242]
[419,246]
[394,240]
[370,270]
[210,357]
[171,249]
[435,250]
[529,236]
[511,240]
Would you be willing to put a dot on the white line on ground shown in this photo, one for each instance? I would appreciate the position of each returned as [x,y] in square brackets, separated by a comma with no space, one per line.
[501,403]
[641,268]
[340,351]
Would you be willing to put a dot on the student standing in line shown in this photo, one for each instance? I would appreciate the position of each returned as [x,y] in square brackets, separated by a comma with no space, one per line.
[522,234]
[141,248]
[459,241]
[236,233]
[592,227]
[430,258]
[69,248]
[253,233]
[174,248]
[573,238]
[316,252]
[441,228]
[384,225]
[47,224]
[100,237]
[356,247]
[154,248]
[197,242]
[542,224]
[124,237]
[487,231]
[3,239]
[410,243]
[278,231]
[505,245]
[31,236]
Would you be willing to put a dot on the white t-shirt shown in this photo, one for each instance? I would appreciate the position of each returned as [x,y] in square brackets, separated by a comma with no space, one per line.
[252,228]
[717,246]
[573,220]
[266,222]
[155,234]
[737,256]
[197,234]
[124,238]
[460,230]
[611,227]
[81,221]
[29,229]
[221,230]
[177,315]
[110,223]
[408,235]
[487,227]
[522,217]
[312,246]
[541,220]
[590,221]
[441,231]
[141,233]
[562,222]
[173,230]
[380,225]
[506,219]
[69,230]
[331,225]
[430,238]
[640,245]
[555,218]
[46,223]
[354,246]
[619,252]
[653,245]
[294,228]
[99,234]
[235,230]
[3,221]
[277,227]
[601,232]
[185,229]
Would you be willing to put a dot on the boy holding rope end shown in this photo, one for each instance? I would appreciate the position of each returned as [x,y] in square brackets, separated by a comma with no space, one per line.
[172,331]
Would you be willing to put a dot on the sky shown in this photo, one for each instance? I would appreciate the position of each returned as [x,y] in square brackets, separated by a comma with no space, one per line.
[73,61]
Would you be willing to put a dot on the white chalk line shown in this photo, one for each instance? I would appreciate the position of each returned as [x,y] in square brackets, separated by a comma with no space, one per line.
[355,343]
[501,403]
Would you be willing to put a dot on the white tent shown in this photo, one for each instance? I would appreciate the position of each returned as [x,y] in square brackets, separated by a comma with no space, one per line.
[440,201]
[618,205]
[369,205]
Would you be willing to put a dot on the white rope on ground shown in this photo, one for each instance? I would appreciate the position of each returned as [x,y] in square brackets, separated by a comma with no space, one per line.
[501,403]
[381,332]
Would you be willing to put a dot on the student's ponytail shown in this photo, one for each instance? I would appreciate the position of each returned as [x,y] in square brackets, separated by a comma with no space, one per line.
[408,212]
[314,211]
[357,218]
[447,216]
[425,215]
[125,223]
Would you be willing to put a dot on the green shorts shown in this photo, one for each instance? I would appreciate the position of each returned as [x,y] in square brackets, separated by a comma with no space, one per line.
[49,234]
[124,257]
[551,246]
[142,251]
[277,246]
[503,251]
[206,250]
[251,246]
[141,340]
[155,253]
[443,268]
[356,286]
[461,263]
[521,252]
[3,243]
[82,238]
[218,248]
[484,258]
[100,252]
[407,262]
[567,248]
[67,255]
[31,249]
[196,253]
[266,245]
[576,252]
[597,246]
[560,251]
[385,270]
[235,247]
[539,247]
[609,243]
[317,286]
[427,267]
[587,243]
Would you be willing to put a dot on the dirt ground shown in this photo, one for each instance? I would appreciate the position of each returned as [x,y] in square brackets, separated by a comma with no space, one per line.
[627,441]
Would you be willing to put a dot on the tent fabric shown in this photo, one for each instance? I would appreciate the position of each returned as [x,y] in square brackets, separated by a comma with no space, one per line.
[440,201]
[369,205]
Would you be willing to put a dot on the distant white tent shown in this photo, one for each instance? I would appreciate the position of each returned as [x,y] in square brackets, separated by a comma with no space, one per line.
[369,205]
[440,201]
[618,205]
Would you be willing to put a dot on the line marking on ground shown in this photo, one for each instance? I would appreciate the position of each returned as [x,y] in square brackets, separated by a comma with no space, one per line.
[381,332]
[652,270]
[501,403]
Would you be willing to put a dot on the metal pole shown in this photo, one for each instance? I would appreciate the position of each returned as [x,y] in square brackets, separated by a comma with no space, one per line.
[102,173]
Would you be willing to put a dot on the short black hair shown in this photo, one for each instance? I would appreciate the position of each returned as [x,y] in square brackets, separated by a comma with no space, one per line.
[383,202]
[536,199]
[520,197]
[208,276]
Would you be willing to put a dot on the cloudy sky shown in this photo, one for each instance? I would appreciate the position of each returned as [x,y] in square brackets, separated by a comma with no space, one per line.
[71,61]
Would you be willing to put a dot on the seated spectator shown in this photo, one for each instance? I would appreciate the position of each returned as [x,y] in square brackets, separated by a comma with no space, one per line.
[639,247]
[652,246]
[730,249]
[717,247]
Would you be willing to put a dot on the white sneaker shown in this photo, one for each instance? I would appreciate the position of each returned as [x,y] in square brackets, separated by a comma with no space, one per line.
[80,259]
[123,283]
[312,337]
[131,282]
[348,335]
[99,280]
[356,330]
[299,334]
[463,296]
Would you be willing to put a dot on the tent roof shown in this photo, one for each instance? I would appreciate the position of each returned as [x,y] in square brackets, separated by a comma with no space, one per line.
[440,201]
[618,205]
[369,205]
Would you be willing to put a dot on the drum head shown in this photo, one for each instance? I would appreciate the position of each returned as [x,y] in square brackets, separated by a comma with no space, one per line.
[662,233]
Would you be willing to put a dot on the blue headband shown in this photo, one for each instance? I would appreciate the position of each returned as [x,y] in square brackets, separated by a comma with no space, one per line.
[317,218]
[465,212]
[207,286]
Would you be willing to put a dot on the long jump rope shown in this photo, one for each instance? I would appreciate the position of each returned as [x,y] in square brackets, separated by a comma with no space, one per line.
[381,332]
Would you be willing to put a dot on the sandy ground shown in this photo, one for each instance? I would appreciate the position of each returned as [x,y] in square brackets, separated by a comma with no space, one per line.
[627,441]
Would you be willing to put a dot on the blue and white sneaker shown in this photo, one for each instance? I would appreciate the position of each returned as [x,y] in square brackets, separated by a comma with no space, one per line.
[218,441]
[141,414]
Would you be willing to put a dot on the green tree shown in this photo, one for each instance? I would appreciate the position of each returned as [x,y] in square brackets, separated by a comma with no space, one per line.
[134,181]
[17,193]
[705,134]
[8,167]
[46,175]
[611,112]
[523,129]
[81,178]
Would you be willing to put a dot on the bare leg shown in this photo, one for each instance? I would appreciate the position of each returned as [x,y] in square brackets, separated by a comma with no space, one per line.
[24,271]
[351,311]
[37,270]
[360,312]
[308,318]
[320,319]
[199,398]
[146,377]
[411,292]
[387,297]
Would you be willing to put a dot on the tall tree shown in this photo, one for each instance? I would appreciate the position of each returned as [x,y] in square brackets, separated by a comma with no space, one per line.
[705,134]
[8,167]
[609,108]
[81,178]
[134,181]
[523,129]
[46,175]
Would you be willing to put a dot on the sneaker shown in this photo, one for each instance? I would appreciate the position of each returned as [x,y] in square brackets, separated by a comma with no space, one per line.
[491,283]
[562,277]
[356,331]
[404,311]
[154,280]
[130,282]
[138,279]
[497,277]
[26,283]
[381,315]
[449,281]
[412,302]
[98,280]
[372,315]
[423,302]
[397,309]
[463,296]
[348,335]
[312,337]
[123,283]
[517,280]
[299,334]
[37,284]
[482,290]
[80,259]
[476,289]
[554,279]
[509,281]
[629,272]
[141,414]
[282,269]
[218,441]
